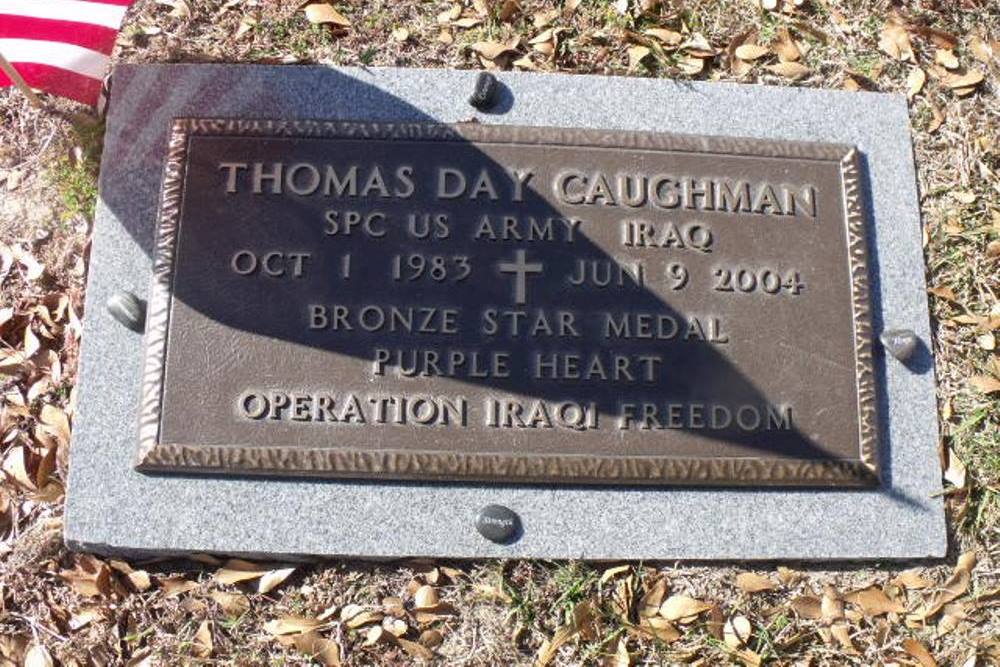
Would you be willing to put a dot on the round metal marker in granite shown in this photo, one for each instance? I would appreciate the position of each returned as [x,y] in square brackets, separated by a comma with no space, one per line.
[900,343]
[498,524]
[484,95]
[128,309]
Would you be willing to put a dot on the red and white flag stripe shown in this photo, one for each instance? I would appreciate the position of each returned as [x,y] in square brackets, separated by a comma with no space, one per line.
[60,46]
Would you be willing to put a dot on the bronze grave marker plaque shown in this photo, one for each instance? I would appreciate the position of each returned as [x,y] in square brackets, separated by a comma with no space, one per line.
[514,304]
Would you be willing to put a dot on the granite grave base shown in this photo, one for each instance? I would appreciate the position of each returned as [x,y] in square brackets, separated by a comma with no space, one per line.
[112,508]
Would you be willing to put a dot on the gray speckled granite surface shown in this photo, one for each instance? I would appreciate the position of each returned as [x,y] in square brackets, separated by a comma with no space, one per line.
[112,508]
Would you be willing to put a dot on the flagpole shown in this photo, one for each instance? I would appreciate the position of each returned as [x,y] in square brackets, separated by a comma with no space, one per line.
[15,76]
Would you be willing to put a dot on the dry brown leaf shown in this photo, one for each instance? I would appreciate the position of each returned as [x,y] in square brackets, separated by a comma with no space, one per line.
[943,292]
[583,615]
[233,604]
[395,626]
[31,343]
[467,22]
[748,657]
[90,576]
[951,616]
[691,65]
[6,263]
[789,70]
[621,657]
[86,616]
[450,14]
[543,18]
[431,638]
[542,37]
[895,40]
[750,52]
[956,472]
[917,650]
[785,46]
[414,649]
[807,606]
[831,605]
[937,118]
[964,196]
[668,37]
[38,656]
[288,625]
[139,579]
[235,570]
[915,81]
[15,467]
[715,622]
[649,603]
[425,597]
[176,585]
[323,13]
[524,62]
[956,586]
[985,384]
[842,634]
[355,616]
[202,646]
[247,24]
[980,49]
[660,628]
[697,45]
[678,607]
[181,8]
[57,422]
[636,54]
[622,598]
[393,605]
[788,576]
[33,270]
[737,631]
[912,579]
[969,79]
[327,613]
[273,578]
[874,602]
[508,10]
[851,84]
[940,38]
[946,58]
[493,50]
[325,651]
[750,582]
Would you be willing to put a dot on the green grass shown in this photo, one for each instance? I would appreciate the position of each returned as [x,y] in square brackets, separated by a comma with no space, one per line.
[75,176]
[974,440]
[294,34]
[575,583]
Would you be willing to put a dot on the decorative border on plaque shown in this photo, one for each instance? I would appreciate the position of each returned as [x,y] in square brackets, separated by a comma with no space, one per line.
[507,468]
[857,248]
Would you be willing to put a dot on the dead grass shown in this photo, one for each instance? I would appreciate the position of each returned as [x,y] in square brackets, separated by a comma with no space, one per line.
[87,611]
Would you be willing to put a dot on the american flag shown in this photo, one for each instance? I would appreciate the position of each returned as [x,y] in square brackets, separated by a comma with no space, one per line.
[60,46]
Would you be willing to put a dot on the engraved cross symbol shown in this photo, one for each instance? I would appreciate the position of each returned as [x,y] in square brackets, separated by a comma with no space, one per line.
[520,270]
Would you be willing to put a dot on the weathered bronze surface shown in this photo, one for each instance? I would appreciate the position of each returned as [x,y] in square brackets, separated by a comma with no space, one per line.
[375,300]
